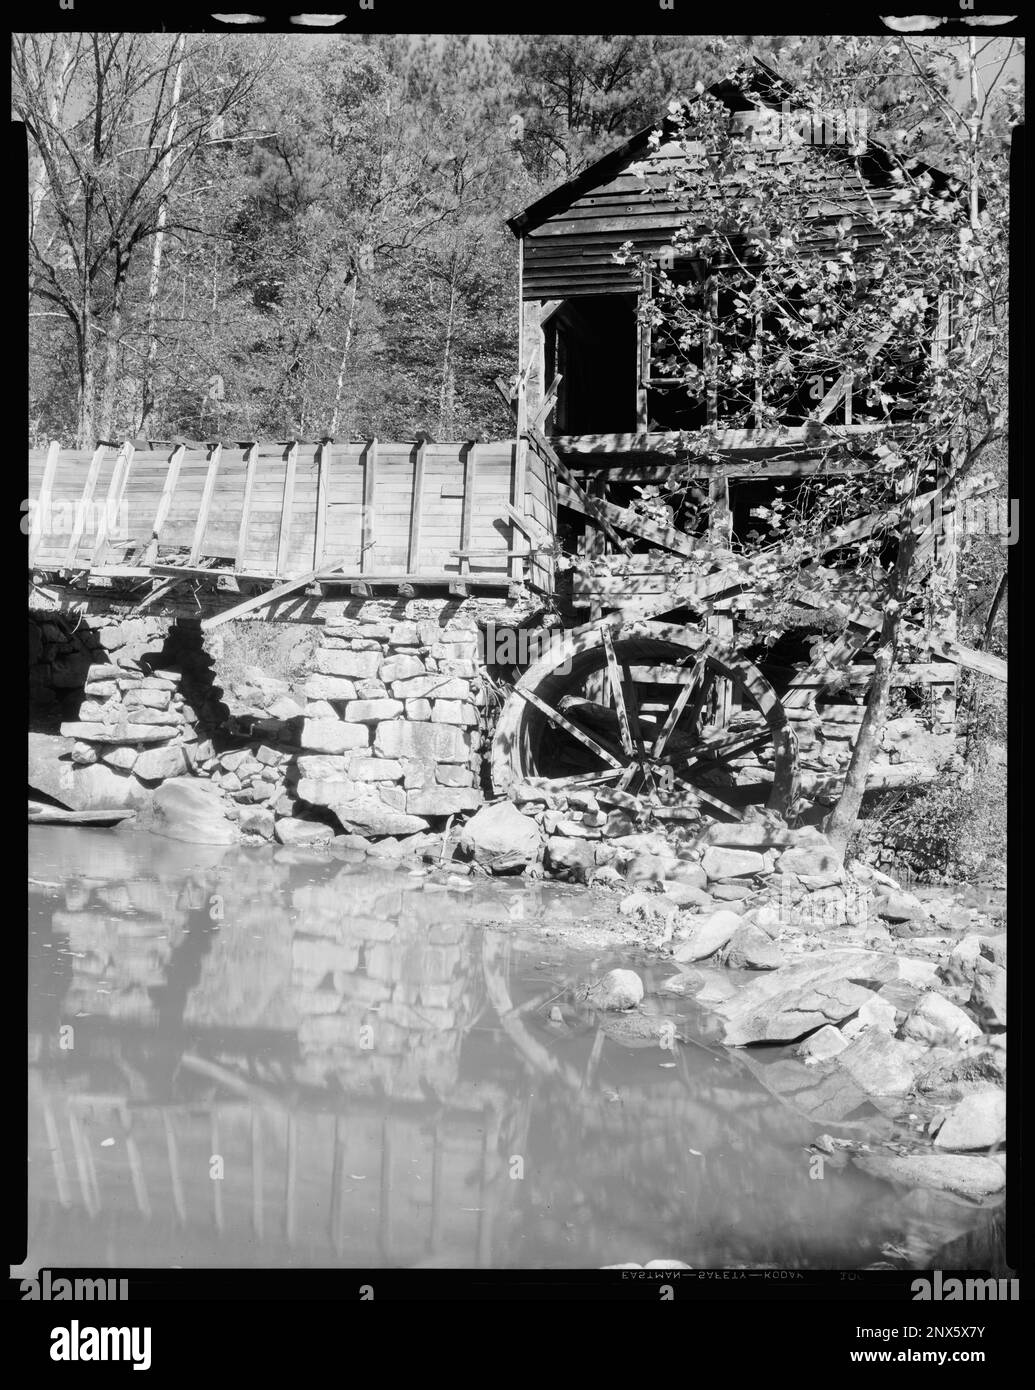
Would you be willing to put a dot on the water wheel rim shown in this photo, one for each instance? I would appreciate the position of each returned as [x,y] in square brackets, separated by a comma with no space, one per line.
[516,743]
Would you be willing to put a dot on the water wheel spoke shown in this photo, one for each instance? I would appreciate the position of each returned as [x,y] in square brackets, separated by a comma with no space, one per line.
[679,705]
[709,798]
[617,693]
[562,722]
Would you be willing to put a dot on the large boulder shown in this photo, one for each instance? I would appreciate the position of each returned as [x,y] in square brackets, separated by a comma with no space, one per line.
[784,1005]
[879,1064]
[501,838]
[977,1122]
[90,787]
[936,1019]
[188,808]
[721,864]
[573,860]
[366,815]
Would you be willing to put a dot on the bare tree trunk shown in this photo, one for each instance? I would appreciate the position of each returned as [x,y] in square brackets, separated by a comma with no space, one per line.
[340,384]
[148,389]
[85,434]
[446,395]
[841,821]
[111,361]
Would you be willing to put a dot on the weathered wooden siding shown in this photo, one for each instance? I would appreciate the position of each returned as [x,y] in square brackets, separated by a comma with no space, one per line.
[572,252]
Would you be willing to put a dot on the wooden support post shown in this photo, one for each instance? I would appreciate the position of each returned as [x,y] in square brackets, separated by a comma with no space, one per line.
[113,502]
[284,545]
[366,559]
[467,506]
[41,515]
[250,456]
[643,351]
[517,504]
[323,470]
[83,505]
[720,534]
[205,508]
[168,491]
[416,507]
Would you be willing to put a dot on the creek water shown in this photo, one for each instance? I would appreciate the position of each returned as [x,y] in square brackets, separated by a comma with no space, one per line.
[263,1057]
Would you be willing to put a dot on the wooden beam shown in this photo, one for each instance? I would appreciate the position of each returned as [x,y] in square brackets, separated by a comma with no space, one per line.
[205,508]
[287,508]
[84,502]
[624,519]
[290,586]
[324,458]
[369,540]
[41,515]
[250,456]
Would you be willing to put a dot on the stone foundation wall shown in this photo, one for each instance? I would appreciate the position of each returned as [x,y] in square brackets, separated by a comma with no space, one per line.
[393,729]
[118,707]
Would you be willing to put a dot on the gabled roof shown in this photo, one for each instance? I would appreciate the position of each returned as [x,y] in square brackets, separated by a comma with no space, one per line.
[763,87]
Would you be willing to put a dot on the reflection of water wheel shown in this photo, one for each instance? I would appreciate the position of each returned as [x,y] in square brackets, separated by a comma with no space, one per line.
[653,711]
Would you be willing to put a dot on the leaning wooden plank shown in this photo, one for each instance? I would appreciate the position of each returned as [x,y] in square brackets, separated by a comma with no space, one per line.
[416,509]
[113,505]
[41,514]
[467,507]
[250,455]
[83,504]
[624,519]
[323,466]
[366,557]
[287,509]
[42,814]
[165,500]
[206,504]
[290,586]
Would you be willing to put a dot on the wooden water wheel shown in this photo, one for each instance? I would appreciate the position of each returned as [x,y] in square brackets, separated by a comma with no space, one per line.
[658,715]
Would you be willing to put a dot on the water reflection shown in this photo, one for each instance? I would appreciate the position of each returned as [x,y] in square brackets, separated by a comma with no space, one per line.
[246,1058]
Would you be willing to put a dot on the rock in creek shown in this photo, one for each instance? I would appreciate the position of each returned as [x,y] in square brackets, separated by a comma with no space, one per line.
[751,948]
[708,935]
[187,808]
[784,1005]
[291,830]
[936,1019]
[964,1174]
[823,1044]
[977,1122]
[988,997]
[501,838]
[618,989]
[573,860]
[879,1064]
